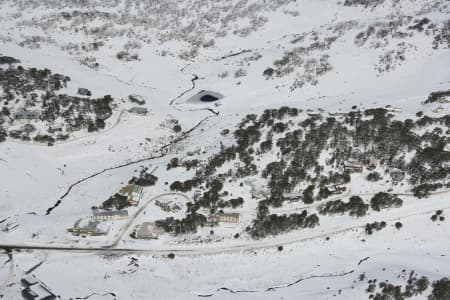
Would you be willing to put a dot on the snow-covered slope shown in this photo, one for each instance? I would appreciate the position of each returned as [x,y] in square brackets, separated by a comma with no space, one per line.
[324,59]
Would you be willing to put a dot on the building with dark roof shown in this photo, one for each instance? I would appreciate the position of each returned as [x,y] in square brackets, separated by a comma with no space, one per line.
[34,289]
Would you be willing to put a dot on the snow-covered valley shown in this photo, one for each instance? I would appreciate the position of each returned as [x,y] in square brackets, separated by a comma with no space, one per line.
[225,149]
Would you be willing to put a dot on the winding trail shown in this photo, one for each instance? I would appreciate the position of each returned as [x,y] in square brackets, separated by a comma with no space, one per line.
[194,78]
[97,294]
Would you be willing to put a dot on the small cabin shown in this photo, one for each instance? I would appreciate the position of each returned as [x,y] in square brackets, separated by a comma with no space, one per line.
[34,289]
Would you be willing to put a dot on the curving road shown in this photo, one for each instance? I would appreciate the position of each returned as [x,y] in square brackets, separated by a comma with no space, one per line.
[139,211]
[233,246]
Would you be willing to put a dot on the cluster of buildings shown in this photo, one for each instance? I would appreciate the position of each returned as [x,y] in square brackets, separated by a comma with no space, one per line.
[133,192]
[91,226]
[34,289]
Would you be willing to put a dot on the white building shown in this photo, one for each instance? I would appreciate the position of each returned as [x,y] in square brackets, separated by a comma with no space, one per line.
[34,289]
[110,215]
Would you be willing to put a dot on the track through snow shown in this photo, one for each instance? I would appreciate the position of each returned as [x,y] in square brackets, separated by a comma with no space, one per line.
[287,285]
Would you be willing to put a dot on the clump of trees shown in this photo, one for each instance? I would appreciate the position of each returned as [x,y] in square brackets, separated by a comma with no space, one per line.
[374,176]
[116,201]
[126,56]
[354,207]
[375,226]
[144,179]
[384,200]
[30,84]
[186,185]
[173,163]
[189,224]
[414,287]
[438,215]
[8,60]
[441,289]
[424,190]
[271,224]
[3,134]
[235,202]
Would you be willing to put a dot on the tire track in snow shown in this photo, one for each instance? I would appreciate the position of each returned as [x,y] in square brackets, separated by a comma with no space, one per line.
[97,294]
[287,285]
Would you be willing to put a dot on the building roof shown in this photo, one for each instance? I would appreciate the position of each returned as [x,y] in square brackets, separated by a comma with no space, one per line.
[29,280]
[353,164]
[38,291]
[111,213]
[293,195]
[235,215]
[91,225]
